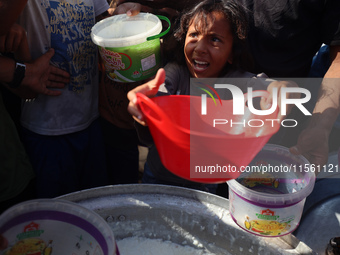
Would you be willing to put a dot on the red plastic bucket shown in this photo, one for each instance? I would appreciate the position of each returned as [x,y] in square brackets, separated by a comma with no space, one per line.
[186,140]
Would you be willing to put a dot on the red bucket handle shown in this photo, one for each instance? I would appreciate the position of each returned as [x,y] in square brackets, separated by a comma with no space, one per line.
[157,118]
[151,110]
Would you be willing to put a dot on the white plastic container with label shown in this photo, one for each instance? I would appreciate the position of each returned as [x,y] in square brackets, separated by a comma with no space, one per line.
[54,227]
[267,199]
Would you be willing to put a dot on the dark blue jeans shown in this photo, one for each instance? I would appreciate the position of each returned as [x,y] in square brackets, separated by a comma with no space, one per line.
[67,163]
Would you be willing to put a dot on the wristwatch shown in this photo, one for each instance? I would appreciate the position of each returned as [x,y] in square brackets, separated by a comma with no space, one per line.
[19,75]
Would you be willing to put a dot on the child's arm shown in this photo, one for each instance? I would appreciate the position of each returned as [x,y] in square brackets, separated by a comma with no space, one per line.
[149,89]
[15,41]
[313,141]
[39,76]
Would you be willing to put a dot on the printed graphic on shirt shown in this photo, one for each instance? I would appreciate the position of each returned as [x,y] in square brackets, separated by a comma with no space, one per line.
[70,25]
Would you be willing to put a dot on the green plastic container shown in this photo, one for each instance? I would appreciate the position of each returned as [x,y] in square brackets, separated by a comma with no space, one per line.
[130,46]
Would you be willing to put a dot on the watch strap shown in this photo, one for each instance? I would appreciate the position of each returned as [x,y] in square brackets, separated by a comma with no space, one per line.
[19,75]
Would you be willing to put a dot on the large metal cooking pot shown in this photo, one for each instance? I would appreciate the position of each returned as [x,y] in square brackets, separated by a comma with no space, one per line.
[180,215]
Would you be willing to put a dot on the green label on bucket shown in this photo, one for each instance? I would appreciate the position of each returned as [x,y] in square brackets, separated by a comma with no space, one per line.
[133,63]
[267,217]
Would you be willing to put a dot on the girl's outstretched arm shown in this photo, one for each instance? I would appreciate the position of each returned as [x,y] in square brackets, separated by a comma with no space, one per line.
[149,89]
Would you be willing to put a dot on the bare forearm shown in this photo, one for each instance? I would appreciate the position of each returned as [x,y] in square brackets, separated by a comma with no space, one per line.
[7,67]
[327,107]
[313,141]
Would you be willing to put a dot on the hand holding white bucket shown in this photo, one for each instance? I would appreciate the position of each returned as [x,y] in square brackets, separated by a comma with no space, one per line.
[130,46]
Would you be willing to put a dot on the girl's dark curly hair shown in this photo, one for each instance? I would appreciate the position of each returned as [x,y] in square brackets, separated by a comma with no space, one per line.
[235,13]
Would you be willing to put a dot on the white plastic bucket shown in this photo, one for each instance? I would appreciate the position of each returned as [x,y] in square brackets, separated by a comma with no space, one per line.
[267,199]
[130,46]
[50,226]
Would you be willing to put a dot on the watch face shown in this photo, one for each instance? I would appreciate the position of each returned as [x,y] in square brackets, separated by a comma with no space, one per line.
[19,75]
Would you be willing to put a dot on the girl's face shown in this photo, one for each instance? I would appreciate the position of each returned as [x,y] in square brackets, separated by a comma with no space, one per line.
[207,52]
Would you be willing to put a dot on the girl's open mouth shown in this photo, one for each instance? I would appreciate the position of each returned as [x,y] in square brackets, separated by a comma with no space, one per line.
[200,65]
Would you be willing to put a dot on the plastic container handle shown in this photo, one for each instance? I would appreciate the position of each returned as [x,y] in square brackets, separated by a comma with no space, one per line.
[163,33]
[146,104]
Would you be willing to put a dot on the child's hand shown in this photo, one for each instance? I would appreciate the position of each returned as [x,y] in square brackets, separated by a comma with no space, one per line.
[41,75]
[313,144]
[159,4]
[131,9]
[267,102]
[15,41]
[149,89]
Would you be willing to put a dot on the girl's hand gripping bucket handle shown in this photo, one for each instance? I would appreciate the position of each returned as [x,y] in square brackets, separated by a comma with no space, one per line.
[152,111]
[163,33]
[160,124]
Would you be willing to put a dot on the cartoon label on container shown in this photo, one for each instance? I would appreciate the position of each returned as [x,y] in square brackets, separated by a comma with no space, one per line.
[28,246]
[133,63]
[30,242]
[264,221]
[35,238]
[267,223]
